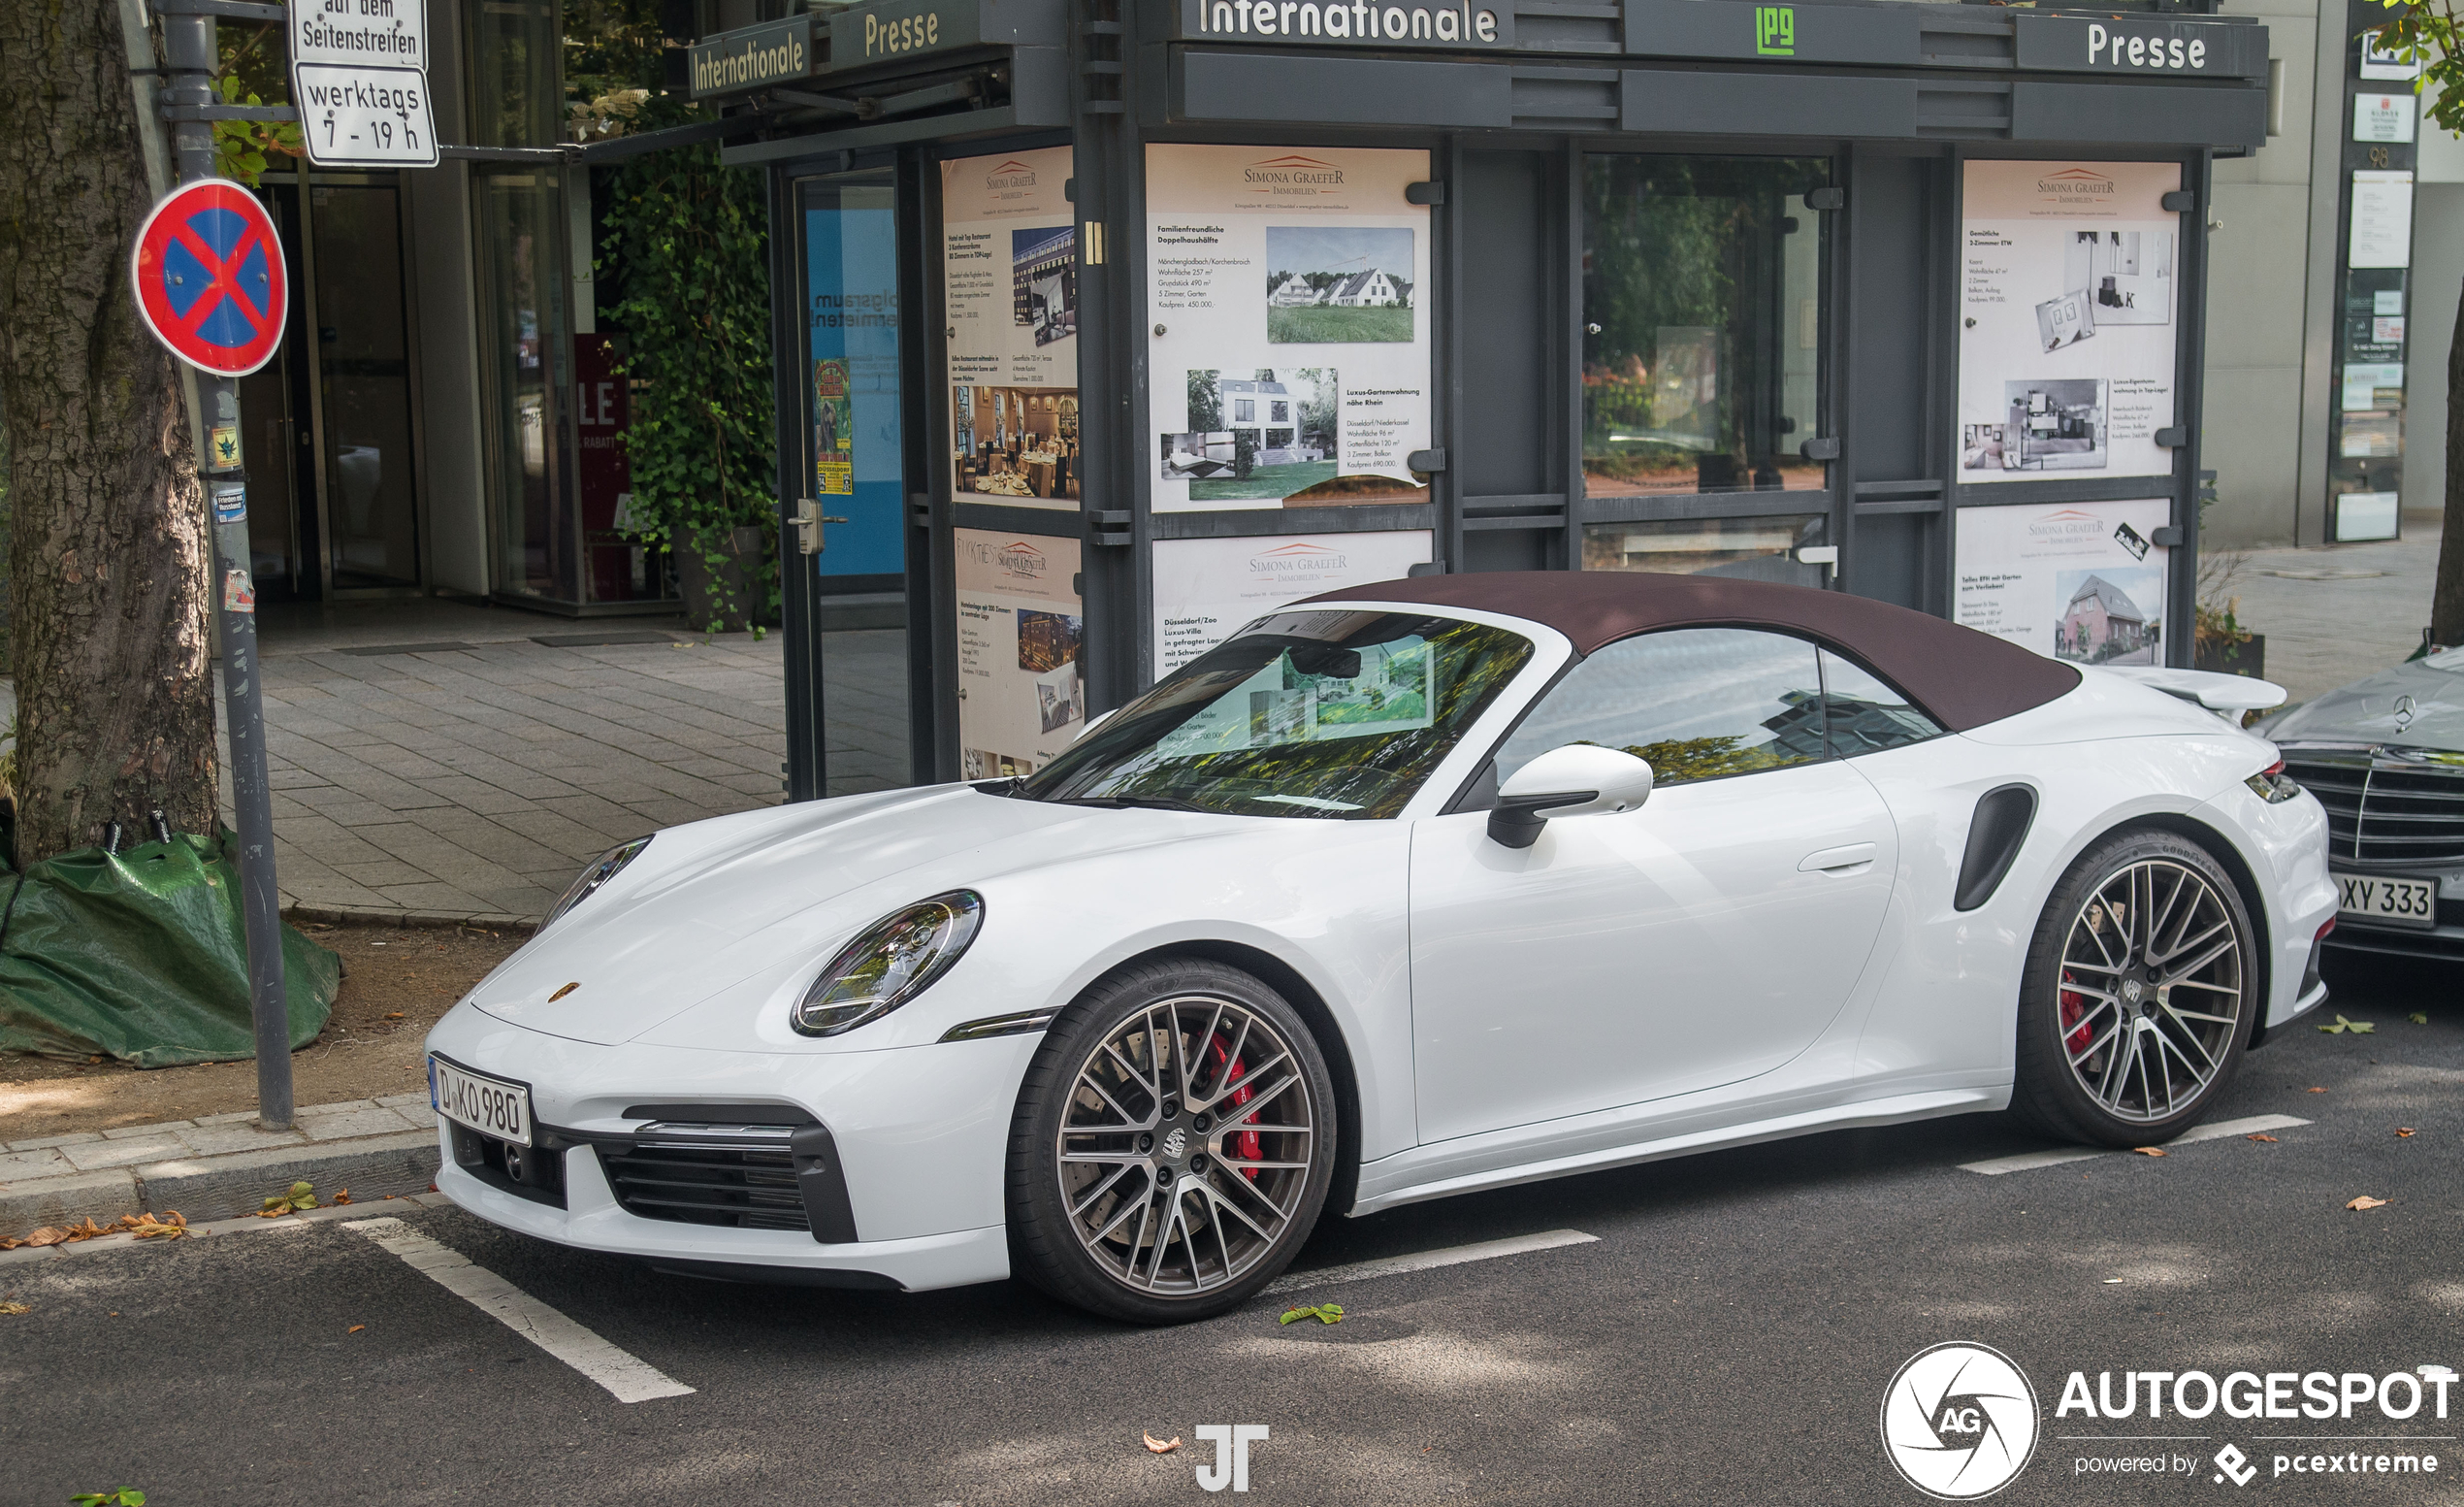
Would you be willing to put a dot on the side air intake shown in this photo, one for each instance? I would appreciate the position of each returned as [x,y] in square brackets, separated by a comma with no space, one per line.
[2000,824]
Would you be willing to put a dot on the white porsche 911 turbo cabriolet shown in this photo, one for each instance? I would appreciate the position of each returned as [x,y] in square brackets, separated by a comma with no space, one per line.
[1405,891]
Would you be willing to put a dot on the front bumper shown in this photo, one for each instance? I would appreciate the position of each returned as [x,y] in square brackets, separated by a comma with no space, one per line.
[919,1135]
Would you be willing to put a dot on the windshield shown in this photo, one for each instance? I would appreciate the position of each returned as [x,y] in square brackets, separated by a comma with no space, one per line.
[1318,713]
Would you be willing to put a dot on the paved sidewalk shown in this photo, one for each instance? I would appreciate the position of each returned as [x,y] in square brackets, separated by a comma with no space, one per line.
[476,778]
[2335,614]
[219,1165]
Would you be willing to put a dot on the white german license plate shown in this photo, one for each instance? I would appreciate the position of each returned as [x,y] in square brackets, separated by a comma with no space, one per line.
[490,1106]
[2396,901]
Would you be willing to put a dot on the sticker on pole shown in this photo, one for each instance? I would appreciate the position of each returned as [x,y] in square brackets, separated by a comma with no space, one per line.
[210,281]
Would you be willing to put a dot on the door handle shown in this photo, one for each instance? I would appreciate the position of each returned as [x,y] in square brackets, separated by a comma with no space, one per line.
[1854,855]
[807,522]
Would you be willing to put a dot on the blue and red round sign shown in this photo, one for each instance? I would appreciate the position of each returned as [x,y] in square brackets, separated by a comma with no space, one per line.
[210,278]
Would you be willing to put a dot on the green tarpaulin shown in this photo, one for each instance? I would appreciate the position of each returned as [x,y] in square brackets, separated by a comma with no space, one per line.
[141,955]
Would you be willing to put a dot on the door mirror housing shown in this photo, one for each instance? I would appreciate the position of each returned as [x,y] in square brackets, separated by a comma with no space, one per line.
[1578,779]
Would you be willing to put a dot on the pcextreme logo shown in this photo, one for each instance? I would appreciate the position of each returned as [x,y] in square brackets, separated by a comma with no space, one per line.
[1775,30]
[1959,1421]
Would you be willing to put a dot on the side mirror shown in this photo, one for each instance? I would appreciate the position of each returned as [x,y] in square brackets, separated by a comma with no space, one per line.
[1578,779]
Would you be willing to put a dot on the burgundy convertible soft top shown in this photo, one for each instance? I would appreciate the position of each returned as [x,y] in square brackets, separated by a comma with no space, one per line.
[1964,678]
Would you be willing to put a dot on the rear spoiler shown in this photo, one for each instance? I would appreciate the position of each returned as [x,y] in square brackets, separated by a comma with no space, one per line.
[2228,696]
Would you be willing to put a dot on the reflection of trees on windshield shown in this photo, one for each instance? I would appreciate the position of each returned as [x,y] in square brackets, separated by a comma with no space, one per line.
[1246,729]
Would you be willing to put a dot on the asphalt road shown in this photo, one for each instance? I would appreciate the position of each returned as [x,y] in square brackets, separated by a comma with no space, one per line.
[1726,1339]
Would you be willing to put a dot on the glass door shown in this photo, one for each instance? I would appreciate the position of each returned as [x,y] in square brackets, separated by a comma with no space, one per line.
[855,474]
[1703,337]
[365,392]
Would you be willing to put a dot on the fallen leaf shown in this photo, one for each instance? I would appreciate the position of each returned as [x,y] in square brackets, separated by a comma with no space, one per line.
[343,1197]
[2149,1151]
[2365,1201]
[2403,1130]
[2420,1017]
[2261,1137]
[302,1196]
[394,1015]
[1158,1446]
[1323,1313]
[2317,1090]
[146,1226]
[355,1329]
[15,1308]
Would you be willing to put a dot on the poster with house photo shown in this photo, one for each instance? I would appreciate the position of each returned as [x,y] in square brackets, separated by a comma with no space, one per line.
[2081,581]
[1009,265]
[1288,349]
[1021,698]
[2068,296]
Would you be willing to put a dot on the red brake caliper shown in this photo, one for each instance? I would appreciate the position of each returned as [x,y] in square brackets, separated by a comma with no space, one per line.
[2073,1008]
[1244,1144]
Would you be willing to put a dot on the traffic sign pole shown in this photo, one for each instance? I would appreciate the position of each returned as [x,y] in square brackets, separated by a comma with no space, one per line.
[188,42]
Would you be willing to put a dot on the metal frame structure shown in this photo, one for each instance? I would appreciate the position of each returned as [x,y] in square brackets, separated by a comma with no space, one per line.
[1896,96]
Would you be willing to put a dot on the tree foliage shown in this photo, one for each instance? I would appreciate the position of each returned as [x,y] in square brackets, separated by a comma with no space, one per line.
[690,241]
[2431,33]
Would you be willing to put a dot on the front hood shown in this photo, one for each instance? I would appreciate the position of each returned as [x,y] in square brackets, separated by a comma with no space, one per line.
[709,905]
[2370,712]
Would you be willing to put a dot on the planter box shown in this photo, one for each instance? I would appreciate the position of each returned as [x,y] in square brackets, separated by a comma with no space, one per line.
[2236,659]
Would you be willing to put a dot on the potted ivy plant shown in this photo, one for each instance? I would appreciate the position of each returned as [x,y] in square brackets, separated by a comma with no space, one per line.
[688,239]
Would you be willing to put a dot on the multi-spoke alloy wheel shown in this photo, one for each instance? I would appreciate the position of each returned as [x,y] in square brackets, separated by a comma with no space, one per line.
[1174,1144]
[2141,982]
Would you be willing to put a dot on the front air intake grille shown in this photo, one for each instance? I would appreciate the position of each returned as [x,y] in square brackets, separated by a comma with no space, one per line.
[2384,809]
[745,1188]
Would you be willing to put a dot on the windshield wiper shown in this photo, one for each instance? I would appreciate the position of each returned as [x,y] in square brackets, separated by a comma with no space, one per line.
[1157,803]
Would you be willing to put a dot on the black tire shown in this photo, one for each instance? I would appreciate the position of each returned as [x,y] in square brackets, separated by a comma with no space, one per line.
[1268,1165]
[2092,976]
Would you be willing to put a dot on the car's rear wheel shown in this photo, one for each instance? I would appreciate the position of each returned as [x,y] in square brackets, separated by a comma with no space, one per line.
[2142,982]
[1173,1143]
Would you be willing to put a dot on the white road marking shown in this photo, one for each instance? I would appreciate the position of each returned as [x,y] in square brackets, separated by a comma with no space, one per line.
[628,1378]
[1451,1256]
[2029,1161]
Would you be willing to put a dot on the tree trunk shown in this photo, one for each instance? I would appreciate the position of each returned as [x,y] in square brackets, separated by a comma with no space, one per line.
[2446,598]
[109,565]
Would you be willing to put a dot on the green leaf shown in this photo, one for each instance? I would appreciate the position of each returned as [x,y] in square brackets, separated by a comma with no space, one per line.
[1323,1313]
[2420,1017]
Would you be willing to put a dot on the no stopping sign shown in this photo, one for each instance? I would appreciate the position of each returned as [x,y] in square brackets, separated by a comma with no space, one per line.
[209,278]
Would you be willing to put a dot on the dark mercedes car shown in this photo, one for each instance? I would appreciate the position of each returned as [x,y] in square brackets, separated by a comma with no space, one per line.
[2385,755]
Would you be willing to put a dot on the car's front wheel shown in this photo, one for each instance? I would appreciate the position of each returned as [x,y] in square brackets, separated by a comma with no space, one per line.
[2142,980]
[1173,1141]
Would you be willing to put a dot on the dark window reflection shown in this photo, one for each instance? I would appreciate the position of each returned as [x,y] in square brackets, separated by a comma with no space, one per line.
[1702,309]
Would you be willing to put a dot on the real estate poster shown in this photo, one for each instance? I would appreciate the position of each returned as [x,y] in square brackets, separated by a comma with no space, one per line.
[1021,698]
[1008,264]
[2381,234]
[2081,581]
[1208,589]
[2067,303]
[1289,356]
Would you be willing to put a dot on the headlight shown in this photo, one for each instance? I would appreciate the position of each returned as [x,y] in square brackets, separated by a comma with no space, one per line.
[608,865]
[891,964]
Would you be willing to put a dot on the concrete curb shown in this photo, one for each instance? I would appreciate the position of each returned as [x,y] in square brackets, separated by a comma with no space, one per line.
[355,1210]
[206,1189]
[422,920]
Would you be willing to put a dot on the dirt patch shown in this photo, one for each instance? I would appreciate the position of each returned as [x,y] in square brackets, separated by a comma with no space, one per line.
[397,982]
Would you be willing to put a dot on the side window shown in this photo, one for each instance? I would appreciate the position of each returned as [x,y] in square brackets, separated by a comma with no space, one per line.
[1697,702]
[1863,715]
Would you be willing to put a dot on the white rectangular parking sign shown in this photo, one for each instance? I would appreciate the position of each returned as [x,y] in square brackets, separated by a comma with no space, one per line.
[365,118]
[359,76]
